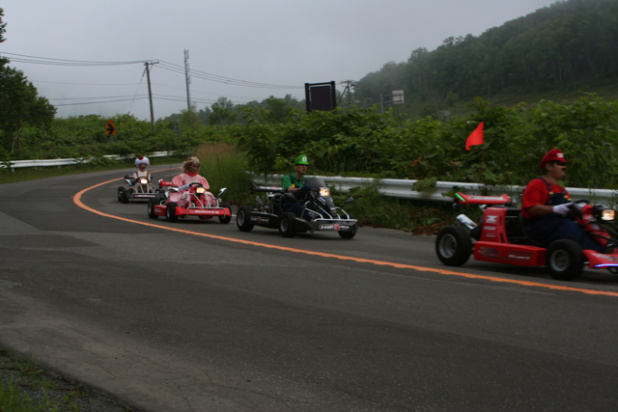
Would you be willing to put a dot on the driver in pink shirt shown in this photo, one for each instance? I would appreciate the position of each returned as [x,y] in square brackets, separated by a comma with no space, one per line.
[191,168]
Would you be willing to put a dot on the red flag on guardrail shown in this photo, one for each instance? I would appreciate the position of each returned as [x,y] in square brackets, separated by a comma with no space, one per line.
[476,137]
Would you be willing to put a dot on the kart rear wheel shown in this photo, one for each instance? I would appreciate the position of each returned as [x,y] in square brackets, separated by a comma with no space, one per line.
[564,259]
[243,219]
[151,208]
[286,224]
[454,245]
[170,212]
[120,192]
[225,219]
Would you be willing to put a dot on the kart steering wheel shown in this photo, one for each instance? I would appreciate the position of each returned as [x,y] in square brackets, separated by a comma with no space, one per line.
[576,209]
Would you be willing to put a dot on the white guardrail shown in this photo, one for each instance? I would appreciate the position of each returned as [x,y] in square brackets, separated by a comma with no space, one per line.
[16,164]
[400,188]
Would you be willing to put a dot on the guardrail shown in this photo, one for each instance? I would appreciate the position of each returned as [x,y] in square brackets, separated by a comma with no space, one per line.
[16,164]
[399,188]
[402,188]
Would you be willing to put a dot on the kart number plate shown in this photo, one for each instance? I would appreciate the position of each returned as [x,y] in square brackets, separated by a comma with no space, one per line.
[336,226]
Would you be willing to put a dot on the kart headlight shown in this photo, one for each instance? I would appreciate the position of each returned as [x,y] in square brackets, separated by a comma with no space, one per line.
[143,181]
[324,191]
[200,190]
[602,212]
[608,214]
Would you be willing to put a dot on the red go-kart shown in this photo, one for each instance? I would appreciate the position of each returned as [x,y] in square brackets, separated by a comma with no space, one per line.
[196,201]
[501,237]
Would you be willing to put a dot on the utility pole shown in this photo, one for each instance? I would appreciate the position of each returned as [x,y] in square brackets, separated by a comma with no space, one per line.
[148,64]
[348,90]
[188,79]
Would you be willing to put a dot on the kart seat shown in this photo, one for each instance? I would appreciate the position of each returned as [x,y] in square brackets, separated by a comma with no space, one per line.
[514,227]
[522,235]
[275,204]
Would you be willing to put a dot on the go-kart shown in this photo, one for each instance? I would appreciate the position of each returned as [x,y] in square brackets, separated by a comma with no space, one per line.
[318,204]
[501,237]
[199,202]
[143,189]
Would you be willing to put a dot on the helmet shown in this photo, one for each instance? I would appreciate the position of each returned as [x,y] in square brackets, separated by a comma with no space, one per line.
[142,159]
[301,160]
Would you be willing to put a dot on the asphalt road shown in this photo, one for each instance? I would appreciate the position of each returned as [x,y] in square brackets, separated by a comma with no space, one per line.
[197,316]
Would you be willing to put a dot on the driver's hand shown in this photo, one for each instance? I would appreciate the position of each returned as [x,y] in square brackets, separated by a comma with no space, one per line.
[184,187]
[562,209]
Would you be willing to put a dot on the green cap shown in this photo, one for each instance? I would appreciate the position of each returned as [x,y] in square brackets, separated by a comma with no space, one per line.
[301,160]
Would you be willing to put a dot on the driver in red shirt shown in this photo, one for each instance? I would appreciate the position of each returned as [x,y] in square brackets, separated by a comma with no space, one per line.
[545,205]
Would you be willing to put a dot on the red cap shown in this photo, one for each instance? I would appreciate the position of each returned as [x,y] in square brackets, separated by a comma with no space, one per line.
[552,155]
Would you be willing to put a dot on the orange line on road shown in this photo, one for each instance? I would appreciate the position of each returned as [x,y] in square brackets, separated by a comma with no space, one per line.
[77,200]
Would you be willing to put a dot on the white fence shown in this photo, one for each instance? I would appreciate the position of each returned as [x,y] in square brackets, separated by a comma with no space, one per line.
[400,188]
[16,164]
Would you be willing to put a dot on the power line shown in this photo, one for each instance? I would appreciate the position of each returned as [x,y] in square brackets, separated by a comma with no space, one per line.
[87,84]
[62,62]
[174,68]
[184,71]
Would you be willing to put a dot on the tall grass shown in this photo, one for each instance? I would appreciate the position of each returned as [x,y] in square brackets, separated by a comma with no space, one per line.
[225,166]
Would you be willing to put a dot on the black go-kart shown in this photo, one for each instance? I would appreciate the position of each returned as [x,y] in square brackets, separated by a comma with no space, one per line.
[140,189]
[317,205]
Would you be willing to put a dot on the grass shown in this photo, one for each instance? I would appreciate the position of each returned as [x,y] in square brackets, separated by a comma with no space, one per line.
[27,387]
[224,166]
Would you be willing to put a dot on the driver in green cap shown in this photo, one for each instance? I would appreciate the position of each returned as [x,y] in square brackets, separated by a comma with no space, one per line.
[294,184]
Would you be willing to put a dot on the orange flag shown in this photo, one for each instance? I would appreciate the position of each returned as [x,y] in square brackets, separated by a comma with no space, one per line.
[476,137]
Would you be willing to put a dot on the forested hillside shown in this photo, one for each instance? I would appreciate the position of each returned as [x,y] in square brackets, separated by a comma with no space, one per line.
[567,42]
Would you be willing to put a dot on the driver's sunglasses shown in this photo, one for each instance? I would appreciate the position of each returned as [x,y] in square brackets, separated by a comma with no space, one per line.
[559,163]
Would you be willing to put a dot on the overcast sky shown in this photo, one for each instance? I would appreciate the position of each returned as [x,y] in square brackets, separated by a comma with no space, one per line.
[242,49]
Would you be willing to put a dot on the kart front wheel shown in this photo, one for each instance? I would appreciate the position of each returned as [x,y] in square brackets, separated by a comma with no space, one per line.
[151,208]
[123,195]
[243,219]
[349,234]
[564,259]
[286,224]
[170,212]
[454,245]
[226,219]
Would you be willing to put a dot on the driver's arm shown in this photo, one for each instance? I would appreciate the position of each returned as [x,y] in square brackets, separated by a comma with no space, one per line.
[287,185]
[538,210]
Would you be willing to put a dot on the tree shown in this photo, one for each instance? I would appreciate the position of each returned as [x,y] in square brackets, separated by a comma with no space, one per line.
[189,119]
[19,102]
[223,112]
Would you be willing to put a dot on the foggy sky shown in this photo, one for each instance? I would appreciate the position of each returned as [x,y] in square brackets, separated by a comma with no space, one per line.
[242,49]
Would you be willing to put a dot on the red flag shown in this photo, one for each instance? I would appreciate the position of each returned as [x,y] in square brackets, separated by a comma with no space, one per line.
[476,137]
